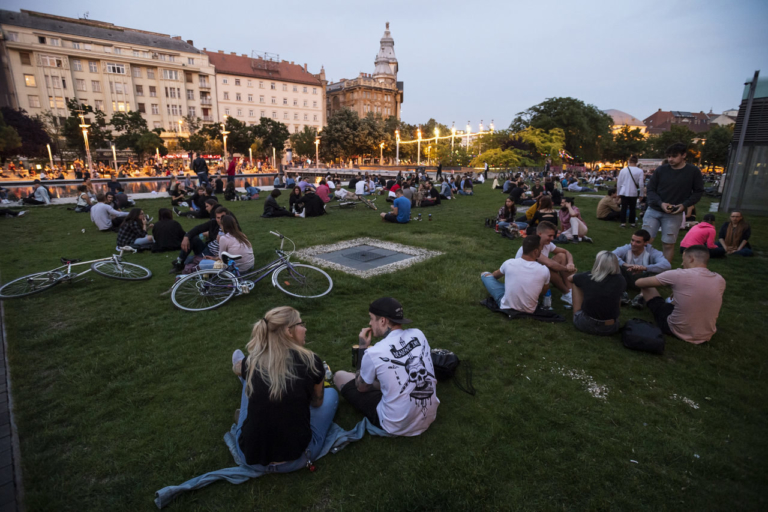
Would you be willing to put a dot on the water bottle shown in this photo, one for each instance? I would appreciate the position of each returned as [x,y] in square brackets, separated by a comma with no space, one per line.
[419,219]
[430,217]
[547,300]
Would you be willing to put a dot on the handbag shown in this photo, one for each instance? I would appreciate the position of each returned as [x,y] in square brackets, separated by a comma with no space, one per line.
[643,336]
[446,363]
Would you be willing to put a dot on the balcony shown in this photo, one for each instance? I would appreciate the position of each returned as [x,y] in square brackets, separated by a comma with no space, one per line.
[206,101]
[207,119]
[205,84]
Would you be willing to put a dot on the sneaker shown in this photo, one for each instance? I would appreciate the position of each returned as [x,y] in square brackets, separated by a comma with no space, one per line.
[587,239]
[625,299]
[638,302]
[567,298]
[633,225]
[303,214]
[623,226]
[177,211]
[668,300]
[21,213]
[237,356]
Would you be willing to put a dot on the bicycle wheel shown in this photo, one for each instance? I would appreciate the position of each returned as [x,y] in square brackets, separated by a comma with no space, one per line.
[303,281]
[122,270]
[369,203]
[27,285]
[203,290]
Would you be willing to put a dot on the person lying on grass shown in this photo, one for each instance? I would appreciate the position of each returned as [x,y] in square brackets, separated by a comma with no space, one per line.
[525,279]
[285,412]
[395,386]
[597,296]
[558,260]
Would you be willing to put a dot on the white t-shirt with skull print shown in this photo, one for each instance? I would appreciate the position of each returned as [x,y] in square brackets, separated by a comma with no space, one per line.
[402,363]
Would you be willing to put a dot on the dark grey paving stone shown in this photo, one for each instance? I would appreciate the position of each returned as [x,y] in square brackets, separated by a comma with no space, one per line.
[364,257]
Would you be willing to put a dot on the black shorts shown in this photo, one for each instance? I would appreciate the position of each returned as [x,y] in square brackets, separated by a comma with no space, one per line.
[661,310]
[391,217]
[363,402]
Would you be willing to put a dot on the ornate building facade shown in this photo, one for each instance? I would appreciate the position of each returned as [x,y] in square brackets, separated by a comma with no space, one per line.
[379,92]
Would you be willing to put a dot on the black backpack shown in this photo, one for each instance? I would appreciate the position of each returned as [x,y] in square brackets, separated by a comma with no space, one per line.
[643,336]
[445,363]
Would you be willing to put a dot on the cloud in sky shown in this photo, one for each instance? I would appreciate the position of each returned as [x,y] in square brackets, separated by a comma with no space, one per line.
[485,60]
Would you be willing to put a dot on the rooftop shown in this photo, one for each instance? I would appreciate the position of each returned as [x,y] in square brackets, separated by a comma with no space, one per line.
[243,65]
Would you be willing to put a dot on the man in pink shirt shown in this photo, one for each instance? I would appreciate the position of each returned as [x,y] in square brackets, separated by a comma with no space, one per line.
[323,191]
[703,233]
[697,297]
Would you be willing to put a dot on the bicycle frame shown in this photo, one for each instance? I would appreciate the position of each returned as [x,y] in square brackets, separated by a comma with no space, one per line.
[117,258]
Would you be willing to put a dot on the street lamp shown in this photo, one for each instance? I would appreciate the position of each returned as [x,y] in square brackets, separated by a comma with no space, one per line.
[381,154]
[469,130]
[418,152]
[224,134]
[453,134]
[317,152]
[429,154]
[492,125]
[397,153]
[85,127]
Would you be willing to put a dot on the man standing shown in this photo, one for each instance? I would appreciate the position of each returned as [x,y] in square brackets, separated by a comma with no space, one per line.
[697,298]
[638,259]
[395,386]
[200,167]
[608,207]
[439,171]
[558,260]
[673,187]
[630,187]
[525,279]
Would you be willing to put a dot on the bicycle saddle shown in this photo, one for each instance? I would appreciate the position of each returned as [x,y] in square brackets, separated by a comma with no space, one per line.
[225,256]
[67,261]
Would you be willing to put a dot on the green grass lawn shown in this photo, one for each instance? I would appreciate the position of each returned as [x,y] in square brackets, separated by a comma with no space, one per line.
[118,394]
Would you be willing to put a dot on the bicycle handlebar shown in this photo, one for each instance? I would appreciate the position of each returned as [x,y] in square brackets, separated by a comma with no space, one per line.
[276,234]
[127,248]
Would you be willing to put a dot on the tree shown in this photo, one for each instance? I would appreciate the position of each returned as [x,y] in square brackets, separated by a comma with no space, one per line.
[240,136]
[98,133]
[658,144]
[194,143]
[583,125]
[497,157]
[273,135]
[715,150]
[9,137]
[338,137]
[303,143]
[149,142]
[543,144]
[54,127]
[31,131]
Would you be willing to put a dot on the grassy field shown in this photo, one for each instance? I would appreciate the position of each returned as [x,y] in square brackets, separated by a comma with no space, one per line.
[118,394]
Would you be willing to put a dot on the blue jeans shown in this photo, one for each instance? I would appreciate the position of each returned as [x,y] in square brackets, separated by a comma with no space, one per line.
[320,420]
[202,178]
[465,193]
[143,242]
[206,264]
[252,191]
[494,286]
[746,252]
[502,224]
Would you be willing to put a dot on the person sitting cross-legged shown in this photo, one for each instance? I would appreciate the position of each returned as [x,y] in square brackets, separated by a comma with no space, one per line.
[272,209]
[638,259]
[597,296]
[168,233]
[40,195]
[395,387]
[608,208]
[558,260]
[525,279]
[133,231]
[401,209]
[232,241]
[104,216]
[697,297]
[431,195]
[703,233]
[734,236]
[574,228]
[313,205]
[285,412]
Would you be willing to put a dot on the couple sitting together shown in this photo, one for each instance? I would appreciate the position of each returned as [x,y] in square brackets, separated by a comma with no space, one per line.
[286,412]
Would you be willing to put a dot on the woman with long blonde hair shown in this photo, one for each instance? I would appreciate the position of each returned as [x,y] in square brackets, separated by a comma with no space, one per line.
[597,296]
[285,412]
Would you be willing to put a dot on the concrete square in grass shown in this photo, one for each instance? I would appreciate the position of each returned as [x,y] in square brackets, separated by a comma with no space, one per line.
[365,257]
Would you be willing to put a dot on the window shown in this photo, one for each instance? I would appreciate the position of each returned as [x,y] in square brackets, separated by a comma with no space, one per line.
[296,129]
[314,90]
[119,106]
[92,67]
[146,55]
[250,113]
[274,115]
[273,86]
[152,91]
[285,115]
[76,64]
[261,99]
[118,88]
[59,102]
[263,114]
[118,69]
[139,90]
[41,40]
[295,88]
[34,101]
[136,72]
[13,36]
[141,108]
[315,119]
[51,62]
[99,105]
[54,41]
[56,81]
[285,101]
[304,90]
[285,87]
[250,83]
[155,108]
[190,94]
[237,81]
[150,73]
[274,100]
[191,112]
[225,81]
[176,110]
[95,86]
[170,92]
[238,97]
[261,84]
[314,104]
[80,85]
[190,61]
[119,51]
[87,46]
[295,116]
[136,53]
[250,98]
[26,59]
[305,103]
[170,74]
[107,49]
[226,95]
[163,56]
[306,117]
[239,112]
[295,102]
[226,111]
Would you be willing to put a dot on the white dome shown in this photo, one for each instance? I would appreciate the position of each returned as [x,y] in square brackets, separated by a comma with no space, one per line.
[622,118]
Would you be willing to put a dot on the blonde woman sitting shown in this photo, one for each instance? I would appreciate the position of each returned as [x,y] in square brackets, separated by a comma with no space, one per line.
[597,296]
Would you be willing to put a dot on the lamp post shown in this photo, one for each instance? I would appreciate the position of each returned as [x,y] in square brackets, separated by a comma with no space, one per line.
[317,152]
[250,155]
[50,156]
[397,151]
[381,154]
[429,154]
[274,165]
[418,152]
[469,130]
[114,156]
[85,127]
[224,134]
[453,135]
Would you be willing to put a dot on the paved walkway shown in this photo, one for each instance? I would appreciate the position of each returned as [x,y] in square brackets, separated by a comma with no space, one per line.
[11,491]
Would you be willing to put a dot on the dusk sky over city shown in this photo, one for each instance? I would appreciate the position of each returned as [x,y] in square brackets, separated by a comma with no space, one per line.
[463,61]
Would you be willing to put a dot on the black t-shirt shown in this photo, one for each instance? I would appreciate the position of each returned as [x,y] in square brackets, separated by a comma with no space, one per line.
[279,431]
[168,235]
[537,190]
[540,216]
[516,193]
[601,300]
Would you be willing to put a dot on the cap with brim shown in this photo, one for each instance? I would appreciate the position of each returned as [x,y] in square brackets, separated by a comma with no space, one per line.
[388,308]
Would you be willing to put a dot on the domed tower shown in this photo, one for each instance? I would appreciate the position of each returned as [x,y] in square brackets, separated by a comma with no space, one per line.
[386,62]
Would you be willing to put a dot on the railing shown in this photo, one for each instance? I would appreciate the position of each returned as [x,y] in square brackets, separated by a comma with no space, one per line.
[206,101]
[208,119]
[204,84]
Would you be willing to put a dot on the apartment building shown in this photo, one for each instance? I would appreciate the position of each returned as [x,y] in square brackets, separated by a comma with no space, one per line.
[48,59]
[251,88]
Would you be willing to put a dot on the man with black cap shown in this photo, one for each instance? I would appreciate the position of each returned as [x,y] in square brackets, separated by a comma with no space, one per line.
[395,385]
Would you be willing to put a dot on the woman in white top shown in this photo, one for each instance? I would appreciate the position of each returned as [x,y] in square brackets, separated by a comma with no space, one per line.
[630,186]
[234,242]
[83,200]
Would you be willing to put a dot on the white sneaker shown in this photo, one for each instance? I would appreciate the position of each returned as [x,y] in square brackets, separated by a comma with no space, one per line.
[21,214]
[303,213]
[567,298]
[237,356]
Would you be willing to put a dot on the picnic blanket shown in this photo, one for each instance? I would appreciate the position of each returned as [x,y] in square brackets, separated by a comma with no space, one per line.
[541,314]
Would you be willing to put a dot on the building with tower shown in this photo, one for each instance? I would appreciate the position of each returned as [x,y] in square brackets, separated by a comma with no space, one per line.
[379,92]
